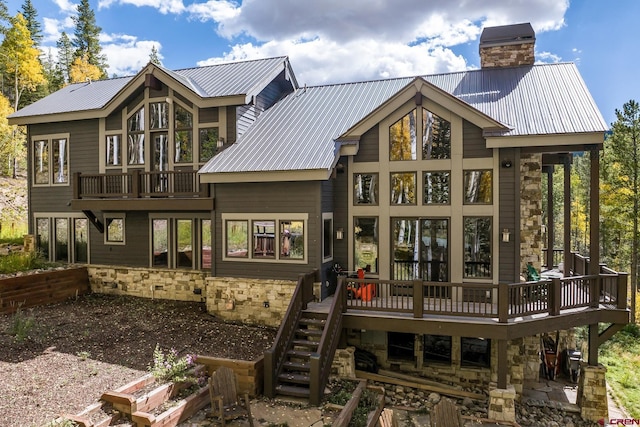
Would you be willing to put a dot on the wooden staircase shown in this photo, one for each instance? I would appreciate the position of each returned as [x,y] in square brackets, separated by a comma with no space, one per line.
[294,378]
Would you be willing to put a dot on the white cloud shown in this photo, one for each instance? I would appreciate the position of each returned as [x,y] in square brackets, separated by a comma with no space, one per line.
[214,10]
[547,57]
[163,6]
[126,55]
[66,6]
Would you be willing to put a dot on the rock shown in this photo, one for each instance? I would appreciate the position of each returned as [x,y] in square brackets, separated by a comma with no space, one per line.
[434,397]
[467,402]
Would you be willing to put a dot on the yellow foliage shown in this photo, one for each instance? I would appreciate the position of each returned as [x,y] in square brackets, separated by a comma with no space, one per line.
[81,71]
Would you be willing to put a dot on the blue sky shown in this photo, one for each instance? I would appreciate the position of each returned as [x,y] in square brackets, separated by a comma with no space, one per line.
[331,41]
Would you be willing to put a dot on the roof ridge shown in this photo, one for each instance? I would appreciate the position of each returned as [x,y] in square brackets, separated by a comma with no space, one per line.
[231,63]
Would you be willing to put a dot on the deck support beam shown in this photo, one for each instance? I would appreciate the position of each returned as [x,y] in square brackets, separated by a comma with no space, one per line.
[568,259]
[550,217]
[594,214]
[503,364]
[594,343]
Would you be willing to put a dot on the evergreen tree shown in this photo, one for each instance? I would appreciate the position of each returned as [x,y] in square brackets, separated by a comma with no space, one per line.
[86,40]
[31,16]
[65,55]
[5,18]
[153,57]
[53,74]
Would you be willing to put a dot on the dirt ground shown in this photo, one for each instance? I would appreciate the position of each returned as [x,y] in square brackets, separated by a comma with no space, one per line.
[78,349]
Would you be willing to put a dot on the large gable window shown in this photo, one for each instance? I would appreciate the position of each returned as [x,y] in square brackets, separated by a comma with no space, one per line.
[209,138]
[478,186]
[365,191]
[477,247]
[403,188]
[183,135]
[403,137]
[158,115]
[436,136]
[51,161]
[113,150]
[135,138]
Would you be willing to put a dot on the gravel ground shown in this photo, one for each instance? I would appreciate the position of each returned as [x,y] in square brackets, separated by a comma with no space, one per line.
[78,349]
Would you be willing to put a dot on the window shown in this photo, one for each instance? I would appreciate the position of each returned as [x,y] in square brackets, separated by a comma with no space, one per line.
[205,243]
[160,242]
[158,115]
[114,229]
[183,135]
[327,236]
[51,161]
[437,348]
[403,137]
[421,251]
[184,241]
[62,239]
[436,188]
[366,243]
[478,186]
[180,241]
[208,143]
[403,188]
[135,138]
[434,251]
[113,150]
[401,346]
[268,237]
[42,236]
[477,247]
[436,137]
[365,188]
[80,243]
[475,352]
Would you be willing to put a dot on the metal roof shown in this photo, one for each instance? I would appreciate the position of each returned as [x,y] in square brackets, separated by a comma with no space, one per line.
[235,78]
[299,132]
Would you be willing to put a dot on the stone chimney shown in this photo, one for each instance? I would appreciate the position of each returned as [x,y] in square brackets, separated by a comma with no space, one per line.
[507,46]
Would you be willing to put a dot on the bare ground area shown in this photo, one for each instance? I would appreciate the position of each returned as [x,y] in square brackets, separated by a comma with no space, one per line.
[78,349]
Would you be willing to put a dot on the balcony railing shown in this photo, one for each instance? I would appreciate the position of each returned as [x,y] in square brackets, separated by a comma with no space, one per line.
[504,302]
[138,184]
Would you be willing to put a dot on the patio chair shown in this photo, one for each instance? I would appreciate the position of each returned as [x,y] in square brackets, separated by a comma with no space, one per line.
[226,403]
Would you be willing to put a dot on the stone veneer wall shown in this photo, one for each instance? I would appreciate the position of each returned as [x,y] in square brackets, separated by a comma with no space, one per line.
[592,393]
[507,56]
[530,211]
[255,301]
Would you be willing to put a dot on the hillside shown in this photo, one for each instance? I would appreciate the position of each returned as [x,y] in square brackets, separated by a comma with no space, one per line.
[13,204]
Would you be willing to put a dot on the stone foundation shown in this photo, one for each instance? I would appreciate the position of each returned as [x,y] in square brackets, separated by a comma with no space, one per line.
[531,350]
[502,405]
[592,393]
[530,211]
[344,363]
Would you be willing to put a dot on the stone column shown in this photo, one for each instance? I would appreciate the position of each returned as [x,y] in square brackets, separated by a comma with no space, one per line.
[516,357]
[530,211]
[592,393]
[532,358]
[502,405]
[344,364]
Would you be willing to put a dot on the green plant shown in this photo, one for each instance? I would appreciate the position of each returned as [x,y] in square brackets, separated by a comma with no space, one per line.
[21,325]
[171,367]
[83,355]
[63,422]
[21,261]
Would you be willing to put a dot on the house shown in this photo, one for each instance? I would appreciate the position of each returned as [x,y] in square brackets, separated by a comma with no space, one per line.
[227,183]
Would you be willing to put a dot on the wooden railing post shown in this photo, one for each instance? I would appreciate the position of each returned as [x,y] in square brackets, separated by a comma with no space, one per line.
[503,302]
[622,291]
[418,299]
[595,285]
[76,185]
[269,371]
[135,184]
[556,296]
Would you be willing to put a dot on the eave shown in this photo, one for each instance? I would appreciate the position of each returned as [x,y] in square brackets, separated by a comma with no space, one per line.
[593,138]
[144,204]
[265,176]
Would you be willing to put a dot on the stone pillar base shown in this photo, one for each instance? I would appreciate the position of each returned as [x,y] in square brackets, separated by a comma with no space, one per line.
[592,393]
[502,404]
[344,364]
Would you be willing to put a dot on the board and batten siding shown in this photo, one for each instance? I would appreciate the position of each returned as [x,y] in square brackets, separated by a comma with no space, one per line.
[264,198]
[134,253]
[232,135]
[369,150]
[474,145]
[83,157]
[114,121]
[208,115]
[341,200]
[509,213]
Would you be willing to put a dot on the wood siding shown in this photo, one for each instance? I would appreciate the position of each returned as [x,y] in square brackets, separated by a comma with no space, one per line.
[114,121]
[208,115]
[162,92]
[509,211]
[135,253]
[341,200]
[275,197]
[231,125]
[369,147]
[474,145]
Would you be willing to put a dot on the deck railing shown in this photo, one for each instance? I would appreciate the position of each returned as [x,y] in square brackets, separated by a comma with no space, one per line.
[502,301]
[138,184]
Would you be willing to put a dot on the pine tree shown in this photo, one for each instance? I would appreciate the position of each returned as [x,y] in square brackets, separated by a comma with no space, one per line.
[5,18]
[86,41]
[31,16]
[53,74]
[153,57]
[65,55]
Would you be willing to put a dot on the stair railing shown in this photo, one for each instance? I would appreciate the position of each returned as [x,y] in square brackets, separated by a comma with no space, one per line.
[320,362]
[274,358]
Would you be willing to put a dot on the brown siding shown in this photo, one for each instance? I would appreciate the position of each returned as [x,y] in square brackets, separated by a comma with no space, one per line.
[509,212]
[136,251]
[83,146]
[135,101]
[369,147]
[231,125]
[276,197]
[341,202]
[114,121]
[164,91]
[183,100]
[208,115]
[474,144]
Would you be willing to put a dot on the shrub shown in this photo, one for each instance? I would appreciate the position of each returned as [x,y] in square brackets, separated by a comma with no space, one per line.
[171,367]
[21,325]
[21,261]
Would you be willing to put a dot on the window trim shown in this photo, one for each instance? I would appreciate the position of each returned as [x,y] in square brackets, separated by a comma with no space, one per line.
[472,365]
[172,239]
[278,218]
[120,148]
[423,185]
[71,239]
[49,138]
[416,188]
[377,188]
[118,215]
[464,189]
[491,246]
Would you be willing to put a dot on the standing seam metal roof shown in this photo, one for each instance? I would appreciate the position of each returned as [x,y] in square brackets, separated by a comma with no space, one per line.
[299,132]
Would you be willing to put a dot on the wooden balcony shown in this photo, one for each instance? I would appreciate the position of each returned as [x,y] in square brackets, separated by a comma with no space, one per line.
[501,311]
[140,190]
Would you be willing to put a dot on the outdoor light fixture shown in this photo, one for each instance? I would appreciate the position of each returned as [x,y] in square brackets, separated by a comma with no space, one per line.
[506,164]
[505,235]
[339,234]
[220,142]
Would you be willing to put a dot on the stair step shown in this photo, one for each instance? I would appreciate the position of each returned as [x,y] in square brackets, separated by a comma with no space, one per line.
[310,332]
[312,322]
[306,343]
[302,354]
[296,366]
[314,315]
[290,390]
[294,378]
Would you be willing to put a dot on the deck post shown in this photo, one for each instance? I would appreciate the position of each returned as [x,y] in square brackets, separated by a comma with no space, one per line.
[595,285]
[621,296]
[135,184]
[594,214]
[550,217]
[76,185]
[418,299]
[503,302]
[503,364]
[594,336]
[555,292]
[568,258]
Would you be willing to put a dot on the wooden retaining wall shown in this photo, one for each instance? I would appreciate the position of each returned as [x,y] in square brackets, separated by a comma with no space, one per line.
[250,374]
[48,287]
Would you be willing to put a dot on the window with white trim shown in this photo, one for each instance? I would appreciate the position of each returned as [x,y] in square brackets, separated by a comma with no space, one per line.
[114,229]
